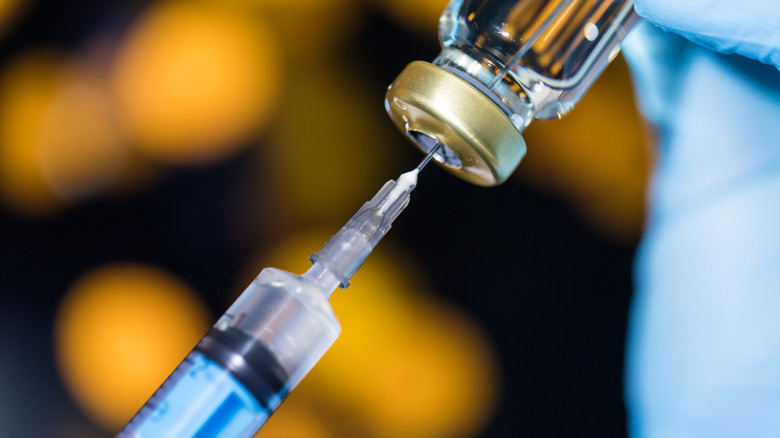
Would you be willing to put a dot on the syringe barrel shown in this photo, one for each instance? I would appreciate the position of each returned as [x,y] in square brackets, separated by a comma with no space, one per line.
[240,372]
[290,315]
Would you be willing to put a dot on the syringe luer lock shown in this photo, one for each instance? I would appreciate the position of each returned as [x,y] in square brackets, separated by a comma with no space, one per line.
[269,338]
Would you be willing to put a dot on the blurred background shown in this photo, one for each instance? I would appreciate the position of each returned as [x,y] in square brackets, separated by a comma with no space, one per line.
[156,155]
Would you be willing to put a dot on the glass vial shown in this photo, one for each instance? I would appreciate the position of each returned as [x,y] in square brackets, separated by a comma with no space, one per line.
[504,63]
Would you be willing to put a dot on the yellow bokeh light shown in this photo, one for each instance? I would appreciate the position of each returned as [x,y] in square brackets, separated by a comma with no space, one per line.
[439,380]
[405,364]
[27,86]
[193,80]
[301,5]
[81,149]
[8,10]
[59,140]
[419,15]
[296,419]
[331,147]
[312,30]
[119,332]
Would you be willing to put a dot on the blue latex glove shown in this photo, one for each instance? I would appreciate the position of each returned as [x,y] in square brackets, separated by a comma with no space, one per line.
[704,341]
[747,27]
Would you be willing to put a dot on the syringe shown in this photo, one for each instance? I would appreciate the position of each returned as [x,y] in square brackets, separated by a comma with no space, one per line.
[270,337]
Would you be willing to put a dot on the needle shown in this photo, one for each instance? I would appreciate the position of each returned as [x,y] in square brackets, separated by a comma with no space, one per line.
[430,155]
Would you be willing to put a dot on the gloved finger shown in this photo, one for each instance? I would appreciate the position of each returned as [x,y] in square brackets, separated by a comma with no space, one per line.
[749,28]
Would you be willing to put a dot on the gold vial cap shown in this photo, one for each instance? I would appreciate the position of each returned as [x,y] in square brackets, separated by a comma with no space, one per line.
[430,104]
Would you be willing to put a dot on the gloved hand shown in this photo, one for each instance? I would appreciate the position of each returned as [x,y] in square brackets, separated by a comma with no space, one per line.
[704,341]
[749,28]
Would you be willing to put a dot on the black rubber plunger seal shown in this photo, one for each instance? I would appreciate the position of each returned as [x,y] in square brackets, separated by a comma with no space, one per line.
[248,360]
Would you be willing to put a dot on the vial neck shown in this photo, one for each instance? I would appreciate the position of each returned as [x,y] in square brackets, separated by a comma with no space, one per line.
[492,79]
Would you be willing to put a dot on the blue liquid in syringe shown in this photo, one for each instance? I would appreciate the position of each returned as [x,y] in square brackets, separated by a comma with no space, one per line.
[226,387]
